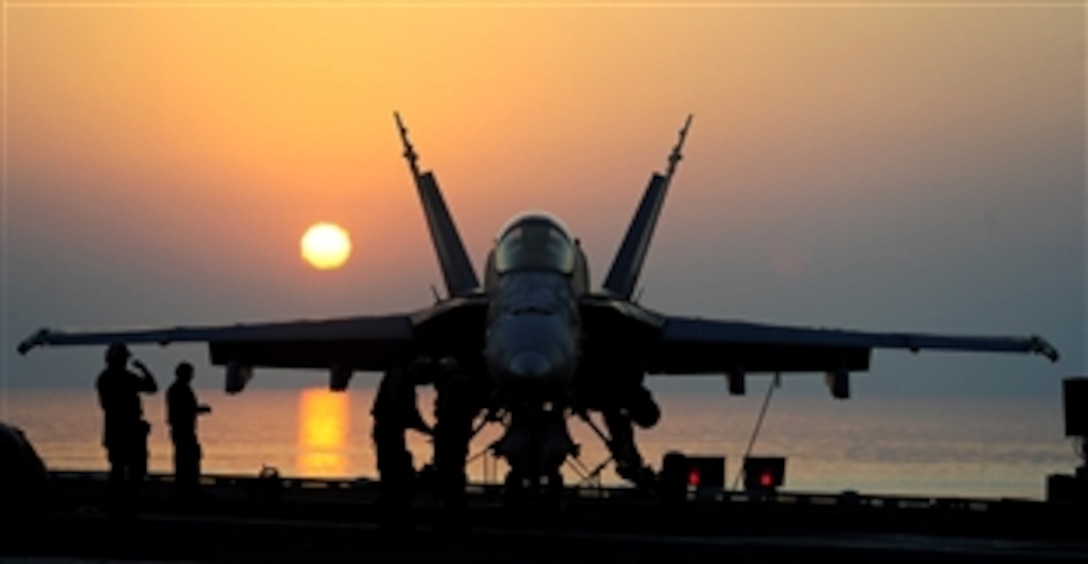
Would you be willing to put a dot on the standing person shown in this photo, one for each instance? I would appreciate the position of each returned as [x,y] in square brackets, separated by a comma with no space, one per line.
[125,430]
[182,410]
[458,400]
[395,411]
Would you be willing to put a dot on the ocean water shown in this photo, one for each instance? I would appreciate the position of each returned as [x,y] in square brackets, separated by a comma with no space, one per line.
[958,447]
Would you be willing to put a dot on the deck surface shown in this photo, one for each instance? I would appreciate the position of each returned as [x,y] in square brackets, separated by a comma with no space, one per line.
[243,518]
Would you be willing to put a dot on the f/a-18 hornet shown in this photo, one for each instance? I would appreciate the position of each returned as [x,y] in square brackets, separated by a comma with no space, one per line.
[534,344]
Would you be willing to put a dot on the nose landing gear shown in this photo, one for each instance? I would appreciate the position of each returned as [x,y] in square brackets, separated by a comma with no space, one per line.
[535,445]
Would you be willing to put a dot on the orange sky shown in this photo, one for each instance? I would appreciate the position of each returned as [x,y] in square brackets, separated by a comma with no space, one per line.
[839,156]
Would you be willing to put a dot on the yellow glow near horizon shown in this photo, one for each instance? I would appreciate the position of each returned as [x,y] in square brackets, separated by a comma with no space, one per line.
[326,246]
[323,429]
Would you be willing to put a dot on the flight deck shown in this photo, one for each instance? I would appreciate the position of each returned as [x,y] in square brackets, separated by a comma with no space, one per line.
[276,518]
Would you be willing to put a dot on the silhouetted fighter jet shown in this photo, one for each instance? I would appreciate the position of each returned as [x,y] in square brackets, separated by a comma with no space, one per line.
[535,344]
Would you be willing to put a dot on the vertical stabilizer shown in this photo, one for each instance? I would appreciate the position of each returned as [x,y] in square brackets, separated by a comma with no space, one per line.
[623,276]
[456,267]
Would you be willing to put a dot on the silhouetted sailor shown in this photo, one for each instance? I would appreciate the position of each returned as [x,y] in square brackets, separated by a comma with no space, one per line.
[458,400]
[395,411]
[182,411]
[125,430]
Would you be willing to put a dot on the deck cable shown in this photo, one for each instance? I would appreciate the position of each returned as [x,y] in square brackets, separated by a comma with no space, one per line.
[775,383]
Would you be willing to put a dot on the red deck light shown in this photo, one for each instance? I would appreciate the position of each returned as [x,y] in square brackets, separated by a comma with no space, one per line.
[681,474]
[764,473]
[693,476]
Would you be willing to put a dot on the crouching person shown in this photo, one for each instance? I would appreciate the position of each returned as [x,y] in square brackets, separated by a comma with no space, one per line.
[395,412]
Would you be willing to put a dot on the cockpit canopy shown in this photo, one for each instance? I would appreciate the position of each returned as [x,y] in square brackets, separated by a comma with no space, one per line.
[535,242]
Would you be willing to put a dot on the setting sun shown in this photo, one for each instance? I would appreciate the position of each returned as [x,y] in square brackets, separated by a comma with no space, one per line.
[326,246]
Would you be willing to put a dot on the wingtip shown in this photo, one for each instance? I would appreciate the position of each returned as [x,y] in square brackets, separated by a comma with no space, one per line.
[32,341]
[1041,346]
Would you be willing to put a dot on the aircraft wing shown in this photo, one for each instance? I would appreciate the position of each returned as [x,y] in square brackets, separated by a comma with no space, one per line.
[690,345]
[364,343]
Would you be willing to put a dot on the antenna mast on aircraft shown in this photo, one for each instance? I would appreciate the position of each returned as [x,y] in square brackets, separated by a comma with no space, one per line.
[626,266]
[456,267]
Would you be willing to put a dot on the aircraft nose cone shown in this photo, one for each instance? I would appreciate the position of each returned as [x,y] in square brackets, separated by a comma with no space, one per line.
[529,365]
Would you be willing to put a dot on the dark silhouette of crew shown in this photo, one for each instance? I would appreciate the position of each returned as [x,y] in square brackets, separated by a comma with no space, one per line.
[125,430]
[395,412]
[182,410]
[458,400]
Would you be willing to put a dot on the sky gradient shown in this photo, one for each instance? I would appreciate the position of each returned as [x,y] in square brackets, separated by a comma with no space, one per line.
[905,167]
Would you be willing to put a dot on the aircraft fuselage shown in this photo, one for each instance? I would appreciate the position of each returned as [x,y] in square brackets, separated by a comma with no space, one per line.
[535,276]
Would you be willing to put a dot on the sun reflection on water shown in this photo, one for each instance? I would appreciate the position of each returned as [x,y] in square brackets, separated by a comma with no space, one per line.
[323,433]
[952,447]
